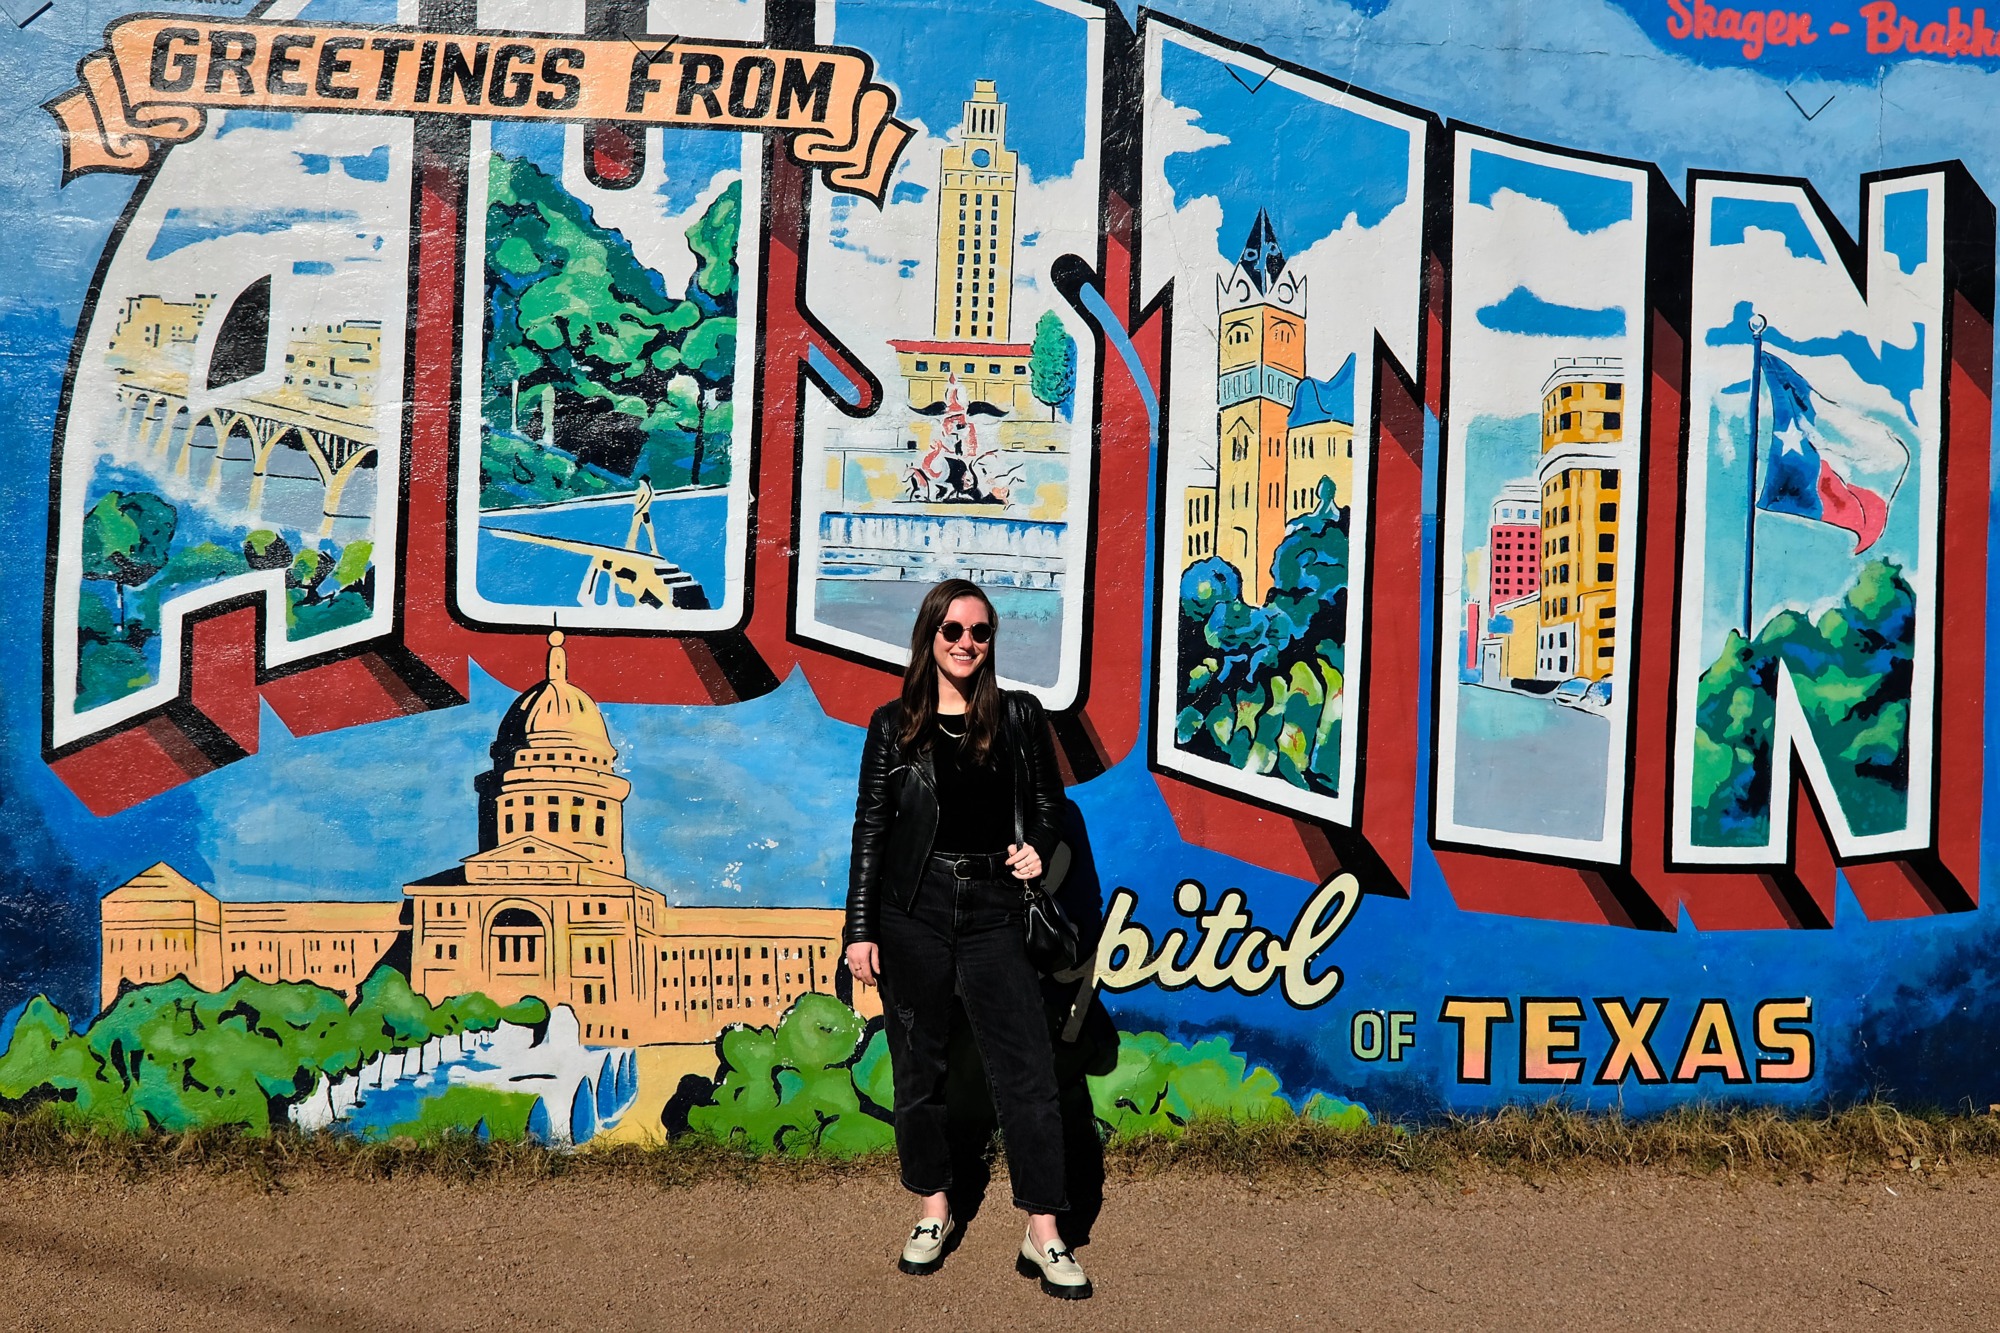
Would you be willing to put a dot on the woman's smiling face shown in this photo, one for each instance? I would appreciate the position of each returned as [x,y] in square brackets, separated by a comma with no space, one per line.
[961,660]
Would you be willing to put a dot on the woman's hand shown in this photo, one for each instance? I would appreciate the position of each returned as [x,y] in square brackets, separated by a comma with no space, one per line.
[864,960]
[1024,861]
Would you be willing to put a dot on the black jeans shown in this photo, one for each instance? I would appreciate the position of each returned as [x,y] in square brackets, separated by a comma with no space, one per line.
[966,936]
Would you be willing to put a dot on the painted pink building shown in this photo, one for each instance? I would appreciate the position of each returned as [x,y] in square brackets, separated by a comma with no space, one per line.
[1514,544]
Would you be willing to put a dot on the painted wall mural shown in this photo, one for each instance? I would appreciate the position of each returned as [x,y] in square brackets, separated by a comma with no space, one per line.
[1501,526]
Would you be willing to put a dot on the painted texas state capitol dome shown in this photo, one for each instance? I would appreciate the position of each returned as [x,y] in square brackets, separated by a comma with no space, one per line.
[543,908]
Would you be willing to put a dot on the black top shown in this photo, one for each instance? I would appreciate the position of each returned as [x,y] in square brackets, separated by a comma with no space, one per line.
[896,807]
[975,801]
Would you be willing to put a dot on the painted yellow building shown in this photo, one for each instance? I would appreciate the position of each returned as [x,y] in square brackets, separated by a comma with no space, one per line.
[975,236]
[1319,443]
[1582,478]
[994,373]
[1260,359]
[1198,530]
[159,925]
[155,333]
[336,364]
[543,908]
[1284,442]
[1508,648]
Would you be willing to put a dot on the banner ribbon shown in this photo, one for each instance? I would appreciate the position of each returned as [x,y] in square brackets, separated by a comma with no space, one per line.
[153,81]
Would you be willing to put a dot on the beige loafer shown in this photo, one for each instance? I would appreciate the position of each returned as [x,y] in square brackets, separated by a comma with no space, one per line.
[1061,1275]
[923,1252]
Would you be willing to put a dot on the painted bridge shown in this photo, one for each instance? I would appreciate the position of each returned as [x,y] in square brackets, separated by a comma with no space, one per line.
[337,439]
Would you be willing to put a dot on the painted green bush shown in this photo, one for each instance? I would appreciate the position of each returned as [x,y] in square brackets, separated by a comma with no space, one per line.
[1261,688]
[793,1088]
[457,1109]
[1159,1086]
[1853,669]
[819,1082]
[170,1056]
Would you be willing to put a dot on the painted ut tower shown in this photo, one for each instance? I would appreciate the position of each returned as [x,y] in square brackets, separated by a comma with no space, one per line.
[1260,358]
[975,235]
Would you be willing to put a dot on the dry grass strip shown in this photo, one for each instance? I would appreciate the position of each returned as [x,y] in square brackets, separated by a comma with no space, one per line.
[1872,1138]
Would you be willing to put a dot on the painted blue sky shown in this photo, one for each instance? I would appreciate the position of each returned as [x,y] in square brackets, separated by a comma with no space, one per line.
[693,158]
[356,814]
[1502,446]
[1521,311]
[1587,202]
[1732,217]
[182,227]
[1034,53]
[1497,450]
[1906,228]
[1800,562]
[1357,167]
[1895,364]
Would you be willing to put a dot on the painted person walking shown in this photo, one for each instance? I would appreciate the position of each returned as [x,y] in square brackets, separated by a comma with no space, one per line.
[957,809]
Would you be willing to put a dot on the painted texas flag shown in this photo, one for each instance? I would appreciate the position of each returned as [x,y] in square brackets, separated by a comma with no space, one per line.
[1817,449]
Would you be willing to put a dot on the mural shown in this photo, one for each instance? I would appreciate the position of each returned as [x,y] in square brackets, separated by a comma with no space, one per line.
[1500,525]
[970,452]
[233,425]
[1834,427]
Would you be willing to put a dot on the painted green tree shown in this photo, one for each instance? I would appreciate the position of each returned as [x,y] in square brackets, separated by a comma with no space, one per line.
[265,549]
[1052,364]
[126,540]
[641,381]
[128,543]
[1852,669]
[325,590]
[171,1056]
[791,1088]
[1260,688]
[820,1082]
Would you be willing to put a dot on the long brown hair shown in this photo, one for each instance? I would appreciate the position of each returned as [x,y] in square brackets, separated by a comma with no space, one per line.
[920,682]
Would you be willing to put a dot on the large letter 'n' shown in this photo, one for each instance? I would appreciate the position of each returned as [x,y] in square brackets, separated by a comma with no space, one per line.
[1828,697]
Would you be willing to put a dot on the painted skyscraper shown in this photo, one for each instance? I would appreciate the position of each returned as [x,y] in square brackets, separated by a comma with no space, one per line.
[975,238]
[1582,473]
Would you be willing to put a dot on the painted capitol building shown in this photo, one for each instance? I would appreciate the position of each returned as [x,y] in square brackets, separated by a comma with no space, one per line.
[543,908]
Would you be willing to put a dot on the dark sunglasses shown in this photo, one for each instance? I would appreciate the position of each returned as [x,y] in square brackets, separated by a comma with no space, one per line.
[951,630]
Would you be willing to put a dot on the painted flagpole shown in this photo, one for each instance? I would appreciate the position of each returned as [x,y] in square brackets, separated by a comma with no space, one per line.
[1757,326]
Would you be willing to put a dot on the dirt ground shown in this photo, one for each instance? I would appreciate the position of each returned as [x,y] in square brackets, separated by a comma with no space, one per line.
[1606,1252]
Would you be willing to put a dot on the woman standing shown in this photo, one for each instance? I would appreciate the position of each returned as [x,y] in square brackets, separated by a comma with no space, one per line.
[958,800]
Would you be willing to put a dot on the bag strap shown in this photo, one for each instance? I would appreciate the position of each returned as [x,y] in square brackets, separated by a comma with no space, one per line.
[1017,744]
[1015,759]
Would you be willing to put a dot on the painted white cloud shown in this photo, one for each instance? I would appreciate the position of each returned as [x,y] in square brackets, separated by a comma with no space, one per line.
[1803,298]
[1594,80]
[1525,242]
[1358,280]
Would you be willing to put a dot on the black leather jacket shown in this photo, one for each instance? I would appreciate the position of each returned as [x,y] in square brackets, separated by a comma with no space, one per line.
[896,812]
